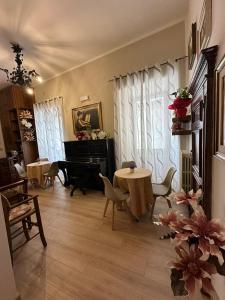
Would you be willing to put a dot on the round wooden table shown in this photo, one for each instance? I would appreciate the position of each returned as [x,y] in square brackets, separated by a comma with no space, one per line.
[138,184]
[36,170]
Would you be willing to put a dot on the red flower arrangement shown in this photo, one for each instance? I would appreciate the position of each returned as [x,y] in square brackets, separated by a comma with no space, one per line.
[181,102]
[200,245]
[79,135]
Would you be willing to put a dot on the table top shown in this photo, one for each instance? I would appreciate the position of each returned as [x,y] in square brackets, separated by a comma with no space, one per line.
[39,163]
[126,173]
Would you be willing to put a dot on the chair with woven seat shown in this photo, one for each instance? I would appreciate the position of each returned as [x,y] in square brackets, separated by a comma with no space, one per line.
[128,164]
[115,195]
[18,209]
[163,189]
[52,173]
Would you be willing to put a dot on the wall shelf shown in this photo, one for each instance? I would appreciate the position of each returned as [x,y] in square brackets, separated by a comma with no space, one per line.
[185,119]
[13,101]
[181,132]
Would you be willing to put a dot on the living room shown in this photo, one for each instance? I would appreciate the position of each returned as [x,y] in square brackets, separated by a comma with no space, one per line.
[94,128]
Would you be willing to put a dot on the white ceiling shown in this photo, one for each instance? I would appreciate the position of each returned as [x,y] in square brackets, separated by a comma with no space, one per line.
[60,34]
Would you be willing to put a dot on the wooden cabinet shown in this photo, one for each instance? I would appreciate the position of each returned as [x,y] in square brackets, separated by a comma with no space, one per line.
[17,128]
[8,173]
[203,105]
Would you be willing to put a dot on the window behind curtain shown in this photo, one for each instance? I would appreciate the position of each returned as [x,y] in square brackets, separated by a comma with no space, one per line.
[142,121]
[49,128]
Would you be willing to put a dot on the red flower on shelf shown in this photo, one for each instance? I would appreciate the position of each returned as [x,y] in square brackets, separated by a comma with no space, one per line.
[181,102]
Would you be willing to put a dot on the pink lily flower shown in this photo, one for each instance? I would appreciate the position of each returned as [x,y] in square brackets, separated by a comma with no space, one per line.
[195,271]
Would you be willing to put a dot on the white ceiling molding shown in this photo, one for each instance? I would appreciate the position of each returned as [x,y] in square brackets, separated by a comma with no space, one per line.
[114,50]
[59,36]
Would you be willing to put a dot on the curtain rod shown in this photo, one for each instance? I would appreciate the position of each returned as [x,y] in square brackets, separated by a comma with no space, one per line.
[48,100]
[149,68]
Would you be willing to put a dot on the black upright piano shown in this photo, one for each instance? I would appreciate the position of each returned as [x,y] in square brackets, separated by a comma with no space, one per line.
[85,160]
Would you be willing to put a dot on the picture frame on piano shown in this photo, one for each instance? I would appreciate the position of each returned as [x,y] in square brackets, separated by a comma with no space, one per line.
[88,117]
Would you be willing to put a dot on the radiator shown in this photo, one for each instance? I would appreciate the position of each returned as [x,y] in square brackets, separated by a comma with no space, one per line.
[186,175]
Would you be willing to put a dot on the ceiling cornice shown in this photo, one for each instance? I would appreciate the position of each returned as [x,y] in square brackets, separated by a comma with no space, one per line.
[142,37]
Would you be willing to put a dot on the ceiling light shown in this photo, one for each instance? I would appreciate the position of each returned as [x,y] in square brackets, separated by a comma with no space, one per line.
[19,75]
[39,79]
[29,90]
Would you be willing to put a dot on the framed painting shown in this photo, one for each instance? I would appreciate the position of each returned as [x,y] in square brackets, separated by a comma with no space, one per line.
[220,108]
[87,117]
[192,46]
[205,24]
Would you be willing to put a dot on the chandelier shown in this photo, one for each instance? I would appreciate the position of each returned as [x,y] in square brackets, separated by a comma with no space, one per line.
[19,75]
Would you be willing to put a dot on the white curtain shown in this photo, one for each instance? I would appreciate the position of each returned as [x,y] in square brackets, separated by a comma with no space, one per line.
[142,121]
[49,128]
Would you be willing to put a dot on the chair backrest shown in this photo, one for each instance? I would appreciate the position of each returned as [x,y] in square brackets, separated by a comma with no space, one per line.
[20,170]
[169,177]
[54,169]
[109,191]
[5,202]
[128,164]
[11,190]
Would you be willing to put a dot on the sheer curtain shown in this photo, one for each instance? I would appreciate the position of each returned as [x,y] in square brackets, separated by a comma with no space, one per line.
[142,121]
[49,128]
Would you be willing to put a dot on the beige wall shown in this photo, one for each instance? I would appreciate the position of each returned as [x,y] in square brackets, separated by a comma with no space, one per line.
[218,25]
[92,78]
[217,38]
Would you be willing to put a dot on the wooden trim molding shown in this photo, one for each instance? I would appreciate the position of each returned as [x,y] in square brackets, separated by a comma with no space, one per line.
[202,88]
[220,109]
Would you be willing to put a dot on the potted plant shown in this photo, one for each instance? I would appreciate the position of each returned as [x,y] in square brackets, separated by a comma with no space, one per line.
[182,100]
[199,244]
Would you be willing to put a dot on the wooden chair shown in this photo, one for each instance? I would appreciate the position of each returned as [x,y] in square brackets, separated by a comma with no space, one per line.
[51,174]
[115,195]
[18,209]
[163,189]
[127,164]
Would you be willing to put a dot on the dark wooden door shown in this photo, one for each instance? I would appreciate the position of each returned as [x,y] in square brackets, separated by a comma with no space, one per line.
[203,124]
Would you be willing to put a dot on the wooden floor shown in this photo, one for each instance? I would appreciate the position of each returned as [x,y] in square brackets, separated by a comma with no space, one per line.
[85,259]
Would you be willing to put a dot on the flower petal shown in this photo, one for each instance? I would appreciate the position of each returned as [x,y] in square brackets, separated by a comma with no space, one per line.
[190,284]
[207,285]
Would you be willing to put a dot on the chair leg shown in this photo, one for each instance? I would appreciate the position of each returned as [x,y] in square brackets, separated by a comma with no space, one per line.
[169,203]
[53,182]
[113,215]
[45,182]
[39,222]
[106,206]
[59,179]
[126,205]
[10,241]
[152,208]
[26,233]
